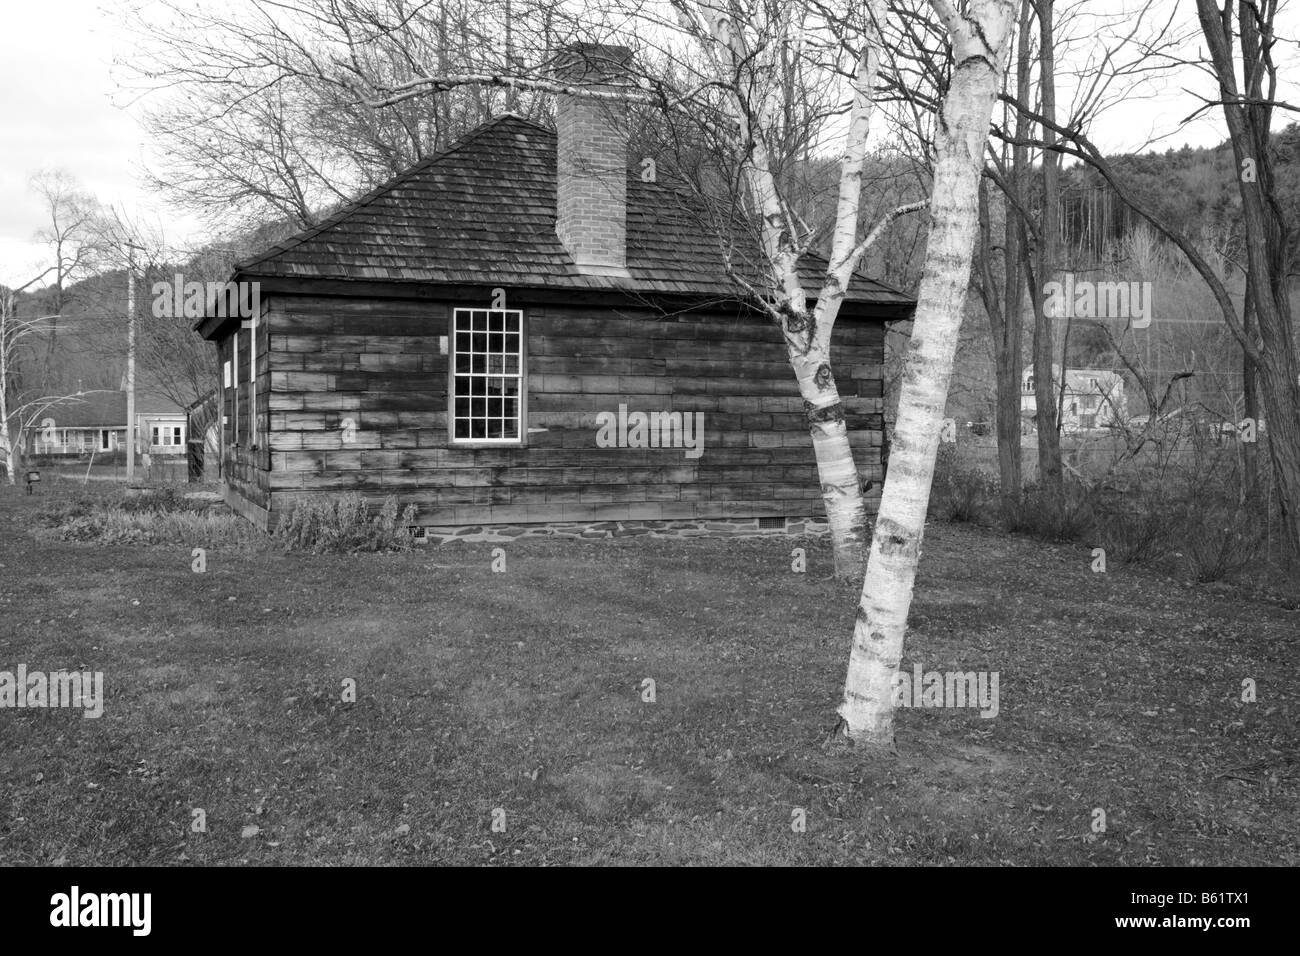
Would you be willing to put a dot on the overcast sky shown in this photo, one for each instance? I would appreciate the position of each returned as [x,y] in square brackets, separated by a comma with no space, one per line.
[59,112]
[62,109]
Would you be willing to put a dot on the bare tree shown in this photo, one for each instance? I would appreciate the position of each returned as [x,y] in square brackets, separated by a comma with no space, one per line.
[70,213]
[979,32]
[1237,44]
[758,60]
[254,107]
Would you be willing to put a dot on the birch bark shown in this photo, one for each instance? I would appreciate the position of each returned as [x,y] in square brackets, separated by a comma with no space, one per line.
[807,332]
[979,37]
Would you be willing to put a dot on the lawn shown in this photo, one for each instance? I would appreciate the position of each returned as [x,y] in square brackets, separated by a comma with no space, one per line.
[519,696]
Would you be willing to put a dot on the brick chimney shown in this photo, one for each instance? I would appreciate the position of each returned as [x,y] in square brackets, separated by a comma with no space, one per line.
[591,158]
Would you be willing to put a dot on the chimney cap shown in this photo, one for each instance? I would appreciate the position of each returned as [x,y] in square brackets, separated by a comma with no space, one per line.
[593,62]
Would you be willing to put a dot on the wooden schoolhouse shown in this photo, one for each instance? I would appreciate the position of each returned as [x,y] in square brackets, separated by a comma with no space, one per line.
[460,337]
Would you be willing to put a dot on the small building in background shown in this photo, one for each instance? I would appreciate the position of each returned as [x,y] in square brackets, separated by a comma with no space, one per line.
[1093,398]
[95,423]
[161,426]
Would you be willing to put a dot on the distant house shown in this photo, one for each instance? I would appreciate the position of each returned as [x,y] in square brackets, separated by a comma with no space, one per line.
[526,329]
[96,423]
[1093,398]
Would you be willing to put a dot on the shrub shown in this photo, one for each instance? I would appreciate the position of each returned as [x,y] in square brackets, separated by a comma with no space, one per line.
[960,492]
[1035,514]
[344,526]
[61,511]
[1136,526]
[160,501]
[965,495]
[1220,540]
[1136,535]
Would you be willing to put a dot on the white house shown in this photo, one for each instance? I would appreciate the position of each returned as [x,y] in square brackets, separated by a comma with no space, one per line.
[96,423]
[1093,398]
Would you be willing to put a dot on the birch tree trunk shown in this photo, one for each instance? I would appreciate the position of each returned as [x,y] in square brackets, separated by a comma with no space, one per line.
[10,451]
[807,335]
[979,38]
[807,332]
[837,472]
[6,439]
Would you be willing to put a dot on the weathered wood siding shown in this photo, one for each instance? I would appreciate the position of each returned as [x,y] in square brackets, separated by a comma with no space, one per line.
[380,364]
[246,455]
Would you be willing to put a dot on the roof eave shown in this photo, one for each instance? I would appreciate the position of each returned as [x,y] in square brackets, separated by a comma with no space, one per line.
[211,327]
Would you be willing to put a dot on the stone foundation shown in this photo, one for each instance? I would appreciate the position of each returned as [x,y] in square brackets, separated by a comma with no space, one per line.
[704,527]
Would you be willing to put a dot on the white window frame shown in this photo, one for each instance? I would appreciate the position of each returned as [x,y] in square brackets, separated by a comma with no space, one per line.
[166,435]
[519,375]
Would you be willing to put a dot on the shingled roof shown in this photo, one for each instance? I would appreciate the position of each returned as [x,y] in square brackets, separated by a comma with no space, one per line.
[97,409]
[483,213]
[103,408]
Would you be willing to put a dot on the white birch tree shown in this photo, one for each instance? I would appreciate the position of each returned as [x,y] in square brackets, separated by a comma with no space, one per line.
[979,31]
[740,47]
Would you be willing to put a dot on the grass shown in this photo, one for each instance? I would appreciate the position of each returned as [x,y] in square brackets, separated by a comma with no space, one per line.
[159,516]
[522,691]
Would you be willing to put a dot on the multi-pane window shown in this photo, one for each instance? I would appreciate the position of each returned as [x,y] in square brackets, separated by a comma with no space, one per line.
[487,375]
[166,435]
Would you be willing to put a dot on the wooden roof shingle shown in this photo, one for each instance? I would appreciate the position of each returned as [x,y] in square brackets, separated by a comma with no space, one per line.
[482,212]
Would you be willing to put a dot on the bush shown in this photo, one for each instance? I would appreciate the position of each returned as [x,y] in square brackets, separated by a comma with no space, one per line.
[1036,515]
[58,512]
[965,495]
[1134,536]
[1136,526]
[1220,540]
[959,492]
[160,501]
[345,526]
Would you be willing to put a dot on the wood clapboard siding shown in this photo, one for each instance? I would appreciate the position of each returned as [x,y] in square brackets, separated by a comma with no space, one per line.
[246,455]
[380,364]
